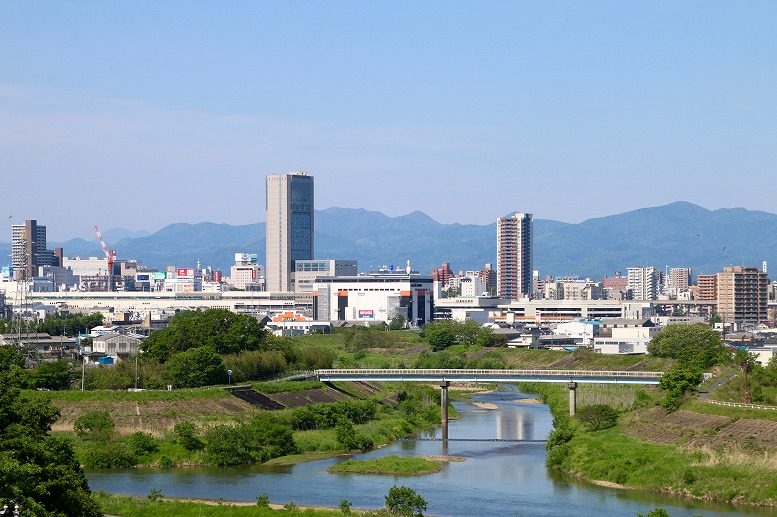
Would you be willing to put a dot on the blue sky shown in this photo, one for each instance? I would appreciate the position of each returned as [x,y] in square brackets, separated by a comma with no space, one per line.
[140,114]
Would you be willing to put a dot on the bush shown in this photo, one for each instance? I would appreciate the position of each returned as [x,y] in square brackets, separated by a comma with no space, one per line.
[696,346]
[52,376]
[263,500]
[598,416]
[186,435]
[255,364]
[405,501]
[676,382]
[261,439]
[141,443]
[109,456]
[166,462]
[94,425]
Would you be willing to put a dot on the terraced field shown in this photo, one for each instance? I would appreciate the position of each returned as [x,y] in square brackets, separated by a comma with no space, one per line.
[682,427]
[745,432]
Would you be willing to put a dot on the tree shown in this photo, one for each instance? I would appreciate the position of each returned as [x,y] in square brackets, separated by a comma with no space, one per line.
[598,416]
[693,345]
[38,471]
[405,501]
[223,330]
[196,367]
[676,382]
[346,434]
[186,434]
[94,425]
[397,323]
[52,376]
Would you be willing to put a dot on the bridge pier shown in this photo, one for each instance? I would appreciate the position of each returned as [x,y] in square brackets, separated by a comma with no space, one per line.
[572,386]
[444,409]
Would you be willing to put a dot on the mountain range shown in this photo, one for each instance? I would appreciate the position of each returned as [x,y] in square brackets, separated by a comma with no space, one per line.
[677,234]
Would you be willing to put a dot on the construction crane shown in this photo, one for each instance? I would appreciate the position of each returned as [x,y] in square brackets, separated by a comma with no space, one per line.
[109,254]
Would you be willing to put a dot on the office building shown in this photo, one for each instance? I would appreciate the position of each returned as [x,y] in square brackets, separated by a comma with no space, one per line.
[375,297]
[514,250]
[306,272]
[290,227]
[28,250]
[679,278]
[643,282]
[742,294]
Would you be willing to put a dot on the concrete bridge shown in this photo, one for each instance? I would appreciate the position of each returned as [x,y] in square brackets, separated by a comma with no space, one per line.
[444,378]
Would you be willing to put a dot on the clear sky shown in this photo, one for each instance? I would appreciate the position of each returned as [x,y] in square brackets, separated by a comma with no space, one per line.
[140,114]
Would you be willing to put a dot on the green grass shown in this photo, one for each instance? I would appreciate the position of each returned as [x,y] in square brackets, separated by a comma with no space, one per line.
[388,465]
[609,455]
[270,387]
[143,507]
[139,396]
[699,406]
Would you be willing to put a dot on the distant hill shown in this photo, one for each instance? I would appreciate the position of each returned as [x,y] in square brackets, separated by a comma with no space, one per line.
[678,234]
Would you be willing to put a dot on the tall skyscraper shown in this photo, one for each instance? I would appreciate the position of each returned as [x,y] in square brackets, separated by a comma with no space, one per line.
[289,226]
[514,253]
[28,249]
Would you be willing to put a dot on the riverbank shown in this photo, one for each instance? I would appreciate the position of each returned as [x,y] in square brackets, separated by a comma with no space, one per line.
[654,451]
[126,506]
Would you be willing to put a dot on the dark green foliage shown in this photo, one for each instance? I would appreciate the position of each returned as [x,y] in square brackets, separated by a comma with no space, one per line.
[110,455]
[346,434]
[327,416]
[94,425]
[397,323]
[345,506]
[656,512]
[141,443]
[37,470]
[558,442]
[445,333]
[166,462]
[693,345]
[405,501]
[122,375]
[52,376]
[313,358]
[261,439]
[220,329]
[676,382]
[263,500]
[196,367]
[186,434]
[598,416]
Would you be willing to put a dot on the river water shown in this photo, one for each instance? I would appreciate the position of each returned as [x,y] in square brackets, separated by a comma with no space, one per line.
[496,478]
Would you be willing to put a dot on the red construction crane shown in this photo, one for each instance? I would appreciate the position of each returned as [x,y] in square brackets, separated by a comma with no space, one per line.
[109,254]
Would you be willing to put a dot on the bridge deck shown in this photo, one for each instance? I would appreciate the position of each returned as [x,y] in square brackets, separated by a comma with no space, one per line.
[463,375]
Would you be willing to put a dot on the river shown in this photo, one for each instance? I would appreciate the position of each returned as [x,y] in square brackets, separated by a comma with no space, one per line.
[496,478]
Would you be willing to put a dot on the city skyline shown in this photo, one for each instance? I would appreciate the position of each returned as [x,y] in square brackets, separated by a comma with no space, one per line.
[131,117]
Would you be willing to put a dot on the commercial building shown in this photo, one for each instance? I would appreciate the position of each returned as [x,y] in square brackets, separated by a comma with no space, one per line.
[28,250]
[246,274]
[678,280]
[289,227]
[514,253]
[643,282]
[742,294]
[374,297]
[306,272]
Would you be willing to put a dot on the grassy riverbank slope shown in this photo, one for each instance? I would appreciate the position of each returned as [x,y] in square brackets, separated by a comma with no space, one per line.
[685,453]
[389,466]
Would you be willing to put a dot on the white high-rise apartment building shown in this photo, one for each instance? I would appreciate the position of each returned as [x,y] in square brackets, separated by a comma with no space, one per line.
[514,253]
[643,282]
[289,227]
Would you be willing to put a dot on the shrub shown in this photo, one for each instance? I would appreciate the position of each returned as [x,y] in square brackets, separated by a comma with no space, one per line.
[598,416]
[186,435]
[108,456]
[94,425]
[166,462]
[345,504]
[263,500]
[141,443]
[405,501]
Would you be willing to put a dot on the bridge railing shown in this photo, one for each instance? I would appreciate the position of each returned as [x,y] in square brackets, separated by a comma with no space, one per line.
[413,372]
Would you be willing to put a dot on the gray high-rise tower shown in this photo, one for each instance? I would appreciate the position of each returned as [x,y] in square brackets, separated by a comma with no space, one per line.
[514,250]
[290,226]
